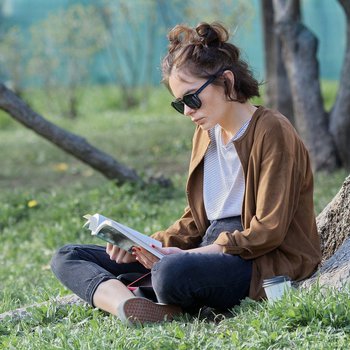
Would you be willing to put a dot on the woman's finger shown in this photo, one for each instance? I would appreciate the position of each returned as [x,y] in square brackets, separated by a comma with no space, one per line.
[146,258]
[114,252]
[109,248]
[120,256]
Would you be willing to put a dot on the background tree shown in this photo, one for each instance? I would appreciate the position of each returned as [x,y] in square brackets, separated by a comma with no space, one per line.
[65,44]
[325,134]
[233,15]
[131,63]
[13,58]
[130,59]
[277,94]
[339,118]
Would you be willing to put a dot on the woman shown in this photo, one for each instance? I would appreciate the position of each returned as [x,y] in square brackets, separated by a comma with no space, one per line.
[250,213]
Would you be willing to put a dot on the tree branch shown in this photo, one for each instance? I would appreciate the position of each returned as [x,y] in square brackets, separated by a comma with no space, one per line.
[69,142]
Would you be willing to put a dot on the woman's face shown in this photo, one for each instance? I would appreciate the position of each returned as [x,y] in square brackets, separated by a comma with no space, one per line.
[214,103]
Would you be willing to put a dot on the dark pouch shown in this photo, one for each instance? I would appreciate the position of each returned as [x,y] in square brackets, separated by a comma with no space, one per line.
[139,284]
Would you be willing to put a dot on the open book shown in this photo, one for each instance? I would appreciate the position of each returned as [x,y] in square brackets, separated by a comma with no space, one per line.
[120,235]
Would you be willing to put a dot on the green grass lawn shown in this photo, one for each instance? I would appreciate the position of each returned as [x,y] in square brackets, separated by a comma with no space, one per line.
[43,195]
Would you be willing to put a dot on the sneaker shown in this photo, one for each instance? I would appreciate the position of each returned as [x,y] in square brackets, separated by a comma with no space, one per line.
[142,310]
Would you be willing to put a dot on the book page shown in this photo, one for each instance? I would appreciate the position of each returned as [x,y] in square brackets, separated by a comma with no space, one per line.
[146,239]
[138,238]
[120,235]
[111,235]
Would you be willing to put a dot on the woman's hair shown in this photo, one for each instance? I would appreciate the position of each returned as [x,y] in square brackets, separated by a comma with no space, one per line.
[204,51]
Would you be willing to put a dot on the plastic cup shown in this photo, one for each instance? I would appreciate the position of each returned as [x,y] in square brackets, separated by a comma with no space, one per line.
[276,286]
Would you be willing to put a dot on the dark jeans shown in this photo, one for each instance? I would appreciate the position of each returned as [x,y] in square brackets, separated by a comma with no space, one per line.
[190,280]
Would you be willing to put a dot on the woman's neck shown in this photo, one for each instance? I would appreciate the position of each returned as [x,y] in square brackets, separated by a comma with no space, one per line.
[236,116]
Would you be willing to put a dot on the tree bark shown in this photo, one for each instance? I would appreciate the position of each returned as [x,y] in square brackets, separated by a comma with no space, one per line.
[69,142]
[334,228]
[334,272]
[340,114]
[278,94]
[334,221]
[299,47]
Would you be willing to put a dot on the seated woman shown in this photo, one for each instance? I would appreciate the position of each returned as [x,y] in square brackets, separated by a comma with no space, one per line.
[250,212]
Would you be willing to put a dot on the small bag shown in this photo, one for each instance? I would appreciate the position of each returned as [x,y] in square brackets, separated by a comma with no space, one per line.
[139,284]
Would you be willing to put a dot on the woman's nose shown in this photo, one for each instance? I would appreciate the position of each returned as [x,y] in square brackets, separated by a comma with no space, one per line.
[188,110]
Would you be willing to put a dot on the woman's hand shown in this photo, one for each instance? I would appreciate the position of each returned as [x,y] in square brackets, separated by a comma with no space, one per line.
[120,256]
[147,259]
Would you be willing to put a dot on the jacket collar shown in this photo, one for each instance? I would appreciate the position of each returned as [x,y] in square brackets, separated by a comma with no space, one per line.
[201,141]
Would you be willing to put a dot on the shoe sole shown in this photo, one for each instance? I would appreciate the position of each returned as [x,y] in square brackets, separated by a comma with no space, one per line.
[141,310]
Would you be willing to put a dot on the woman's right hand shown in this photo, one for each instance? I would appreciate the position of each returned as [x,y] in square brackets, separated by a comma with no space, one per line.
[119,255]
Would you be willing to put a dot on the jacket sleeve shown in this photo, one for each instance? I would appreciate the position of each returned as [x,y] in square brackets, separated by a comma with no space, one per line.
[273,193]
[183,233]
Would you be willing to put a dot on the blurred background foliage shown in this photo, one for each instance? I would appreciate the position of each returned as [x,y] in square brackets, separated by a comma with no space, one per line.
[60,46]
[100,60]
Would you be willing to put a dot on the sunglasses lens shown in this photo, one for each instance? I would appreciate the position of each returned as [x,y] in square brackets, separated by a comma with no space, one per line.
[179,106]
[192,101]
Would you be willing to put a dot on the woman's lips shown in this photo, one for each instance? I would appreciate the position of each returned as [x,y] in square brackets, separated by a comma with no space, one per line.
[198,120]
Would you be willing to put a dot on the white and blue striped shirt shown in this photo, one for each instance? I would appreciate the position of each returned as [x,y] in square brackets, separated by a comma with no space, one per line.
[223,176]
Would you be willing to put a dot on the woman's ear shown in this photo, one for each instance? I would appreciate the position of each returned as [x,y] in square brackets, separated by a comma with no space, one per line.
[229,82]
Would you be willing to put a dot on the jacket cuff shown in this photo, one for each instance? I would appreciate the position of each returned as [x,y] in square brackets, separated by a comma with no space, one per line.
[227,241]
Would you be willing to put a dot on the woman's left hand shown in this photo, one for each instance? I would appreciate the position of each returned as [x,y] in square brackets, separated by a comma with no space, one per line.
[147,259]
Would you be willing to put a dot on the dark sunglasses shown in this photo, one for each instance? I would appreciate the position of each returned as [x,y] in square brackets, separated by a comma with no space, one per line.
[192,100]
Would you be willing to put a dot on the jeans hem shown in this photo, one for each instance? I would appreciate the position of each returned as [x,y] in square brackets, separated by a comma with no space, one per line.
[91,288]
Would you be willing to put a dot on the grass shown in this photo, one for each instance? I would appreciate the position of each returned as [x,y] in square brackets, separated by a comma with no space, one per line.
[45,193]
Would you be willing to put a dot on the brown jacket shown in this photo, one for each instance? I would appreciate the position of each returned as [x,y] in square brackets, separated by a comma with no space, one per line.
[280,233]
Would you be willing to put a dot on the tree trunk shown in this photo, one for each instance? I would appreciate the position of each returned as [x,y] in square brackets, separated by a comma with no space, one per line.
[299,47]
[334,228]
[277,95]
[334,221]
[73,144]
[340,114]
[334,272]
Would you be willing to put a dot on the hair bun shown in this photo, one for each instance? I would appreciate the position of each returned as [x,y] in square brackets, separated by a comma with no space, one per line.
[212,34]
[179,36]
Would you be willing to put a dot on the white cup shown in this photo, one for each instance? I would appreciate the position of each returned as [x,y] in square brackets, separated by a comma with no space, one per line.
[276,286]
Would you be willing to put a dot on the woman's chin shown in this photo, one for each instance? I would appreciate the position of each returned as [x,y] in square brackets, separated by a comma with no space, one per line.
[206,126]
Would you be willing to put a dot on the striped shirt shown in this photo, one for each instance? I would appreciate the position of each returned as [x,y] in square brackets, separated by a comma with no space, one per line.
[224,185]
